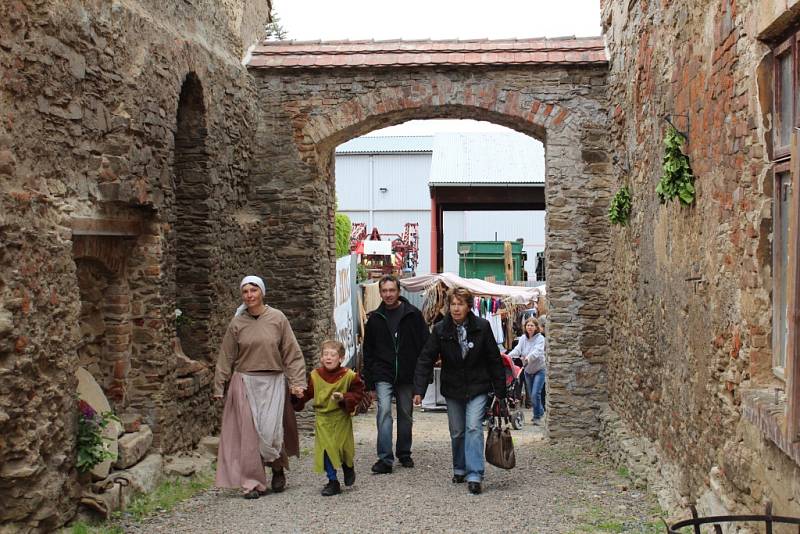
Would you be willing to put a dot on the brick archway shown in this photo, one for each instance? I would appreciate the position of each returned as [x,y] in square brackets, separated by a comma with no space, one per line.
[317,95]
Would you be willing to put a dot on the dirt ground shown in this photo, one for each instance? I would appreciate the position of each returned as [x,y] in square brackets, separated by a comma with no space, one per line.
[565,487]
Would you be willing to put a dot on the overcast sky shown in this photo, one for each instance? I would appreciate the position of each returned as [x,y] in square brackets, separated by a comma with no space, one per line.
[437,19]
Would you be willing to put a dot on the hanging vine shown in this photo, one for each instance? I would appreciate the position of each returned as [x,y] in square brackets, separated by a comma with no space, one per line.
[677,180]
[620,209]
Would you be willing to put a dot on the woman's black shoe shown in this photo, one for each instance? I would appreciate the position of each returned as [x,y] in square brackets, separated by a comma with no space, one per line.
[349,475]
[331,488]
[474,488]
[255,494]
[278,480]
[459,479]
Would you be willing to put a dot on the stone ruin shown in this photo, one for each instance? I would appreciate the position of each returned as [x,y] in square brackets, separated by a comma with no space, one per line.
[144,169]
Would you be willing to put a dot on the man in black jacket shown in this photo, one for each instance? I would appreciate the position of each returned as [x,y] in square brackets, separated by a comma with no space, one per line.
[393,338]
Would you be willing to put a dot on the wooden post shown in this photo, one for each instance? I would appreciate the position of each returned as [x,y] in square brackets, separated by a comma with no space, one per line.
[508,262]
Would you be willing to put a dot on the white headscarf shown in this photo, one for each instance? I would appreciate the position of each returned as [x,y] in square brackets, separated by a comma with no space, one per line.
[256,281]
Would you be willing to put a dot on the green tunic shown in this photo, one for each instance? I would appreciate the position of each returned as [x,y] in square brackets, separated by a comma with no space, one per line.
[333,429]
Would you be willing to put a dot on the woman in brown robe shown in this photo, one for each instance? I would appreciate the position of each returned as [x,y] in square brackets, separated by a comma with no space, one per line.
[261,364]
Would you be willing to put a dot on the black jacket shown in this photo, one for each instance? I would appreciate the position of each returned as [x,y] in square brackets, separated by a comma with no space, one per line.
[480,372]
[390,359]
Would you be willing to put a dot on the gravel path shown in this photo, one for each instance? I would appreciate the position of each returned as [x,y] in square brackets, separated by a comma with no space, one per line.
[557,488]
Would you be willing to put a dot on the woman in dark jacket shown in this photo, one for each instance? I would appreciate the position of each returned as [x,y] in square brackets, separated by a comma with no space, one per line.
[471,368]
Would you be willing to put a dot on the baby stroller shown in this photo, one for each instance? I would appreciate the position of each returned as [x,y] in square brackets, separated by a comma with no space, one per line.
[515,401]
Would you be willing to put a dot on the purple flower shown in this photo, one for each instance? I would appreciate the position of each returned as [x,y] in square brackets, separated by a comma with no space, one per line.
[86,411]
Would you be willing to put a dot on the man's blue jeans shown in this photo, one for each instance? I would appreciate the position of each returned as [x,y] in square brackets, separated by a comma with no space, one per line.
[403,393]
[535,383]
[465,417]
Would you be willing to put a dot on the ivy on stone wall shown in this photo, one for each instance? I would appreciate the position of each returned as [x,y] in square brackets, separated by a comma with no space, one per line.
[677,180]
[620,209]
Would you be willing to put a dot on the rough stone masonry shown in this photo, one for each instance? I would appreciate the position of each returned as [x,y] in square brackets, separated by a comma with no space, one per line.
[691,290]
[94,97]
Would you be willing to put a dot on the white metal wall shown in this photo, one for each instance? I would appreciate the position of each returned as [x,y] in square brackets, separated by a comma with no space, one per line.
[352,182]
[491,226]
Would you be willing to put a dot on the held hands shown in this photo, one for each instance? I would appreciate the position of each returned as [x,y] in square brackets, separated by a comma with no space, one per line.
[417,400]
[337,396]
[297,391]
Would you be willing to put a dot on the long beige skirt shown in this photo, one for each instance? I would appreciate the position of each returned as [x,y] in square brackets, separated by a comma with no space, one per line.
[244,449]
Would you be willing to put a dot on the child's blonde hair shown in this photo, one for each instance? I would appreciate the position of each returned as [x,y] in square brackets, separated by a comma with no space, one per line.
[338,346]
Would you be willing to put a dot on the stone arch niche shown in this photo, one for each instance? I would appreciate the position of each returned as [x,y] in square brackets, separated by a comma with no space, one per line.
[105,320]
[192,225]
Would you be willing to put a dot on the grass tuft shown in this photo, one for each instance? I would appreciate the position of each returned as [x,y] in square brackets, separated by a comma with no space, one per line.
[166,496]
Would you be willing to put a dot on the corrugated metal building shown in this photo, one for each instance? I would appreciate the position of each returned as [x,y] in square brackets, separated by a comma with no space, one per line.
[384,182]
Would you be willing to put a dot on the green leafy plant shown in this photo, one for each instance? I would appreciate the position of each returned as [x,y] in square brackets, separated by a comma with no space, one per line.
[677,180]
[342,229]
[620,209]
[361,273]
[92,446]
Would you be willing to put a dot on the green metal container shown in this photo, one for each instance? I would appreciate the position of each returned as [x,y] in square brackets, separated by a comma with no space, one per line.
[480,259]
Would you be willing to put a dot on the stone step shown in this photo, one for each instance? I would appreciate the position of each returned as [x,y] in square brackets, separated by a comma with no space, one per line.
[132,447]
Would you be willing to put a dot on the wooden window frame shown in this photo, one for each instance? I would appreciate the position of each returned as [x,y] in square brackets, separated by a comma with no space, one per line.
[786,158]
[781,152]
[792,366]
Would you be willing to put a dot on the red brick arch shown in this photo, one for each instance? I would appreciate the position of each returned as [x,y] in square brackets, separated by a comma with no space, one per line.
[425,100]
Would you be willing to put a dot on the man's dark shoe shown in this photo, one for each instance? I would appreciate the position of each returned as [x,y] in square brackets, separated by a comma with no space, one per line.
[349,475]
[381,468]
[459,479]
[278,480]
[474,488]
[331,488]
[407,462]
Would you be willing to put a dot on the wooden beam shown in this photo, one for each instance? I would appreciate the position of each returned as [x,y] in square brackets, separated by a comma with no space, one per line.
[106,227]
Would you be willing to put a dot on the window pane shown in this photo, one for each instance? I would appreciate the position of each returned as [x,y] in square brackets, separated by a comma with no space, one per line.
[784,192]
[784,107]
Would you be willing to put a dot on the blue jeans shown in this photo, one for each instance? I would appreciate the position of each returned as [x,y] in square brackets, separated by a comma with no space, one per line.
[329,470]
[403,393]
[535,383]
[466,435]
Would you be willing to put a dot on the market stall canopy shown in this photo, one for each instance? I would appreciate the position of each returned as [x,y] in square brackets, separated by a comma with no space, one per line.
[514,294]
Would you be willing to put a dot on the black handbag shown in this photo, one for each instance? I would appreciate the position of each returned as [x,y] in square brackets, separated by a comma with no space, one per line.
[499,443]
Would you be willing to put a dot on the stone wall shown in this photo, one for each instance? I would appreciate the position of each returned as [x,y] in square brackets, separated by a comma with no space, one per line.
[89,99]
[690,292]
[309,112]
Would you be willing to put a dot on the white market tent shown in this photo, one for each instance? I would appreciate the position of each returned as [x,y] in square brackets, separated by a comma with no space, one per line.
[511,294]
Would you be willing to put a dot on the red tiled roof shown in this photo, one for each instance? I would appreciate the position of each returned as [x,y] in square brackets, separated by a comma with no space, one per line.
[367,54]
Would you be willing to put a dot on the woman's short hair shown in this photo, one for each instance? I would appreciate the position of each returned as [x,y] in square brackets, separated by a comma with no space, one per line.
[338,346]
[462,294]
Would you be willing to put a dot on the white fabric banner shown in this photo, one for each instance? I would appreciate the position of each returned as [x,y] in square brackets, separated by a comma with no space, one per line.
[343,307]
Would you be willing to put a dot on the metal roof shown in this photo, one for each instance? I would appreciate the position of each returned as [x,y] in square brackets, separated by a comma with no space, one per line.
[371,54]
[486,158]
[387,144]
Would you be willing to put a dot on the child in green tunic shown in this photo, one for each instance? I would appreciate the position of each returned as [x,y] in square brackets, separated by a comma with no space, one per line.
[336,391]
